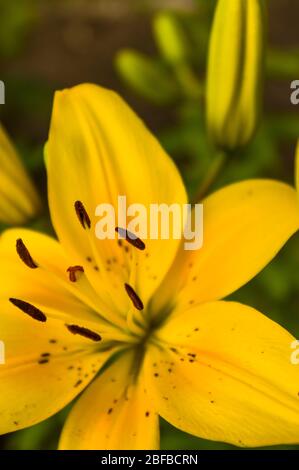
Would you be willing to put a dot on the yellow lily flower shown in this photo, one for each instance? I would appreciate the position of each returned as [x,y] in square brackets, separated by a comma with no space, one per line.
[19,201]
[148,310]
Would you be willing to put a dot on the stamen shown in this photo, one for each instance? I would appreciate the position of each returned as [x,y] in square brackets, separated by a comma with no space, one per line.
[32,311]
[25,255]
[130,238]
[72,270]
[80,330]
[82,215]
[137,302]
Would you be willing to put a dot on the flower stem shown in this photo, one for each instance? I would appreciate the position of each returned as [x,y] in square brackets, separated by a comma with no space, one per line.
[212,174]
[192,87]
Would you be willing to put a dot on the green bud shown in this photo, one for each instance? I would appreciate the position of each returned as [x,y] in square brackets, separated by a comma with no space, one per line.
[146,77]
[235,72]
[171,38]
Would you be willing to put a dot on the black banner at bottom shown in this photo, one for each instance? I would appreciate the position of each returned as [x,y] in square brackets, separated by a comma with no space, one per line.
[138,459]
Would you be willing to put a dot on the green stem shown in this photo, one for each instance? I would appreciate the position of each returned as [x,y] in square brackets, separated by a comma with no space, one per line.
[192,87]
[213,172]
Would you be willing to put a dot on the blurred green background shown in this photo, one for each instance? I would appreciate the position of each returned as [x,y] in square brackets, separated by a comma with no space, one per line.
[47,45]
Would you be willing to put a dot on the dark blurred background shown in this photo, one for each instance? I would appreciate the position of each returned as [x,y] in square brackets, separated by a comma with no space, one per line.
[49,45]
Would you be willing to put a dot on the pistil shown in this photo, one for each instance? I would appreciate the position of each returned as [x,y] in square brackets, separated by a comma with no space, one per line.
[72,270]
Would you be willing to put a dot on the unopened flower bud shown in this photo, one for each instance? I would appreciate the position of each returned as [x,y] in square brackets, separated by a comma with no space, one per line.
[235,72]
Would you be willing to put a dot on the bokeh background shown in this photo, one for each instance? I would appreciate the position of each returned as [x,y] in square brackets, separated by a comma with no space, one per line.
[51,44]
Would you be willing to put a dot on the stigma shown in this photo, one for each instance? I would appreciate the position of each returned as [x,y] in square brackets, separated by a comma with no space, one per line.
[72,270]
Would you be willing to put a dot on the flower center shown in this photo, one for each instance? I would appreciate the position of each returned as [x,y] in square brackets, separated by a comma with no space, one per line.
[113,325]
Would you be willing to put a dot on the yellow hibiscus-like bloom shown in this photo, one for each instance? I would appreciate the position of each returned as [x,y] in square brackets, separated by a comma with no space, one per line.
[19,201]
[217,369]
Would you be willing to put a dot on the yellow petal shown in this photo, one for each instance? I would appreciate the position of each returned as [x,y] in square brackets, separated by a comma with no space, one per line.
[45,368]
[114,413]
[19,200]
[245,225]
[224,373]
[98,149]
